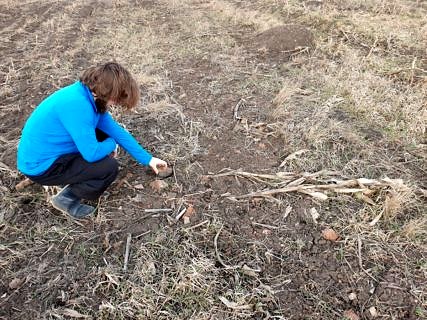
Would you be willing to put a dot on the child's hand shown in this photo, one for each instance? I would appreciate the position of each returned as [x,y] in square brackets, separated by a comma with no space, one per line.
[115,153]
[157,164]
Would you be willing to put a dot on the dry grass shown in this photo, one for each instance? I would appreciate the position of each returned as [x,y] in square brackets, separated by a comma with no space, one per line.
[355,105]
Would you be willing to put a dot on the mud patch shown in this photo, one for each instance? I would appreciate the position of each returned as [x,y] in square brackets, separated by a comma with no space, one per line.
[282,41]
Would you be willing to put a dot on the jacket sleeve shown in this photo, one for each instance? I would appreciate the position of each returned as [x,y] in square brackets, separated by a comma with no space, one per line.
[107,124]
[80,124]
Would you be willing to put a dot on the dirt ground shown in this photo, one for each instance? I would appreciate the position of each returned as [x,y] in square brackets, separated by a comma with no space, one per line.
[268,112]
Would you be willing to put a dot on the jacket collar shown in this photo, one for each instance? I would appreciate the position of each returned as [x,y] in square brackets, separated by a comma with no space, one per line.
[89,96]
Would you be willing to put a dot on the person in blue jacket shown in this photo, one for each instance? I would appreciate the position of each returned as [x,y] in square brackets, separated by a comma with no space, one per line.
[71,139]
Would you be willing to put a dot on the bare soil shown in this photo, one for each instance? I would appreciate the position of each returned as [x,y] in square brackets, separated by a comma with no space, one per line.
[226,85]
[283,41]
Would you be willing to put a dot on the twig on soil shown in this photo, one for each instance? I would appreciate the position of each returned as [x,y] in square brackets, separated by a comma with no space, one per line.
[376,219]
[359,251]
[157,210]
[306,183]
[152,212]
[413,69]
[236,115]
[234,305]
[359,254]
[372,48]
[217,252]
[272,192]
[48,249]
[296,51]
[292,156]
[216,249]
[178,207]
[179,215]
[197,225]
[128,240]
[142,234]
[265,225]
[288,210]
[174,173]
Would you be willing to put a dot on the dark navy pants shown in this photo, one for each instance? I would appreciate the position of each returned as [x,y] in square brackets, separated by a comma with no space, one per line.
[88,180]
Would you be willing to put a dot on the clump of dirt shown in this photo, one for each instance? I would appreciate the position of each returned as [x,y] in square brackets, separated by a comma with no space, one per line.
[283,40]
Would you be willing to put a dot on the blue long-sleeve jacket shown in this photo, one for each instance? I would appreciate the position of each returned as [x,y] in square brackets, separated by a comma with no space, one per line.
[65,122]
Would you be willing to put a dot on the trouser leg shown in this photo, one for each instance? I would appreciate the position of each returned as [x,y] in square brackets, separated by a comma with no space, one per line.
[95,180]
[87,180]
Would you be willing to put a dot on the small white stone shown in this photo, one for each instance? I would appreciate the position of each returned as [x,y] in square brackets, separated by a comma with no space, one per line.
[373,312]
[186,220]
[314,214]
[352,296]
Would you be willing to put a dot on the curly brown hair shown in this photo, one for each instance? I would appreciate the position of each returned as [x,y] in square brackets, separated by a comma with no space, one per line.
[111,81]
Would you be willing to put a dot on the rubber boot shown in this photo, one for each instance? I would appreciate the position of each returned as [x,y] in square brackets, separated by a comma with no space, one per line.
[66,202]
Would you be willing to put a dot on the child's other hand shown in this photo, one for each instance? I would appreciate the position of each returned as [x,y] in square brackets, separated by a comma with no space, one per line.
[157,164]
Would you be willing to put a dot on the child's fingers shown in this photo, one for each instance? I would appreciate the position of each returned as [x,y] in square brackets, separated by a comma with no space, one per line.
[156,171]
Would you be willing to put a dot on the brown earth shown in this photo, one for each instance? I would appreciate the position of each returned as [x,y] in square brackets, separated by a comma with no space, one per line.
[217,78]
[283,41]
